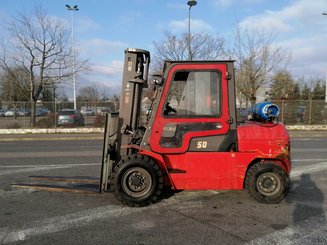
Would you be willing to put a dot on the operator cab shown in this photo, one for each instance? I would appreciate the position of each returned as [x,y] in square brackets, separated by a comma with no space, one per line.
[192,112]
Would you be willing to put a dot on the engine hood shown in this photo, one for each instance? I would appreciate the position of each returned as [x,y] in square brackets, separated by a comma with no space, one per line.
[268,140]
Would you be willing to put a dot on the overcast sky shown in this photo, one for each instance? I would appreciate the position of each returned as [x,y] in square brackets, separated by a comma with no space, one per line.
[104,28]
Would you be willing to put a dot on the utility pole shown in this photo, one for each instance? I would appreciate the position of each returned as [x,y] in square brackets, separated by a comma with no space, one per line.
[190,3]
[73,9]
[325,13]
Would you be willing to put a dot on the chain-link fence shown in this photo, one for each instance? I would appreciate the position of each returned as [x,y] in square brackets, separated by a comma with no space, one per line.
[296,112]
[18,114]
[303,112]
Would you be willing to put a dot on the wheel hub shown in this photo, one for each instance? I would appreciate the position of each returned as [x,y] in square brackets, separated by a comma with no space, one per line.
[136,182]
[268,184]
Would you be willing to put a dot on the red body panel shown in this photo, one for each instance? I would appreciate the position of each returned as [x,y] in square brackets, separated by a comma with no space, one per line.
[226,170]
[269,141]
[209,170]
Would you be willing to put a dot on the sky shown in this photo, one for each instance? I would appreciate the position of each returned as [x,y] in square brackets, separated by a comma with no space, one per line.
[105,28]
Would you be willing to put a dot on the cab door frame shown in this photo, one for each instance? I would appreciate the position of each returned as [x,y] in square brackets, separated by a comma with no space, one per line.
[197,140]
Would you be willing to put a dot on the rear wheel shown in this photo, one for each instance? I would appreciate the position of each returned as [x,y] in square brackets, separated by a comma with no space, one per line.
[267,182]
[137,181]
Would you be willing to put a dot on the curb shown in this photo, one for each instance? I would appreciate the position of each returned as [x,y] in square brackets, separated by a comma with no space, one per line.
[101,130]
[51,131]
[307,127]
[50,139]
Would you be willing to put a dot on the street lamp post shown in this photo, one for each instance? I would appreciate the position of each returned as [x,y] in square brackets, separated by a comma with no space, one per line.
[190,3]
[325,13]
[73,9]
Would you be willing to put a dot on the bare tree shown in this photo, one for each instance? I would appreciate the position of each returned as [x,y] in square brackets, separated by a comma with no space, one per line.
[10,90]
[282,87]
[89,93]
[306,91]
[257,60]
[175,48]
[39,46]
[105,93]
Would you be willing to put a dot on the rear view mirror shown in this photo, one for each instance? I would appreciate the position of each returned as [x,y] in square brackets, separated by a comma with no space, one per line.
[157,82]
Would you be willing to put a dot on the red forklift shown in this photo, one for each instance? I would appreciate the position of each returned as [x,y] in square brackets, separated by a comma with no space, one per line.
[190,139]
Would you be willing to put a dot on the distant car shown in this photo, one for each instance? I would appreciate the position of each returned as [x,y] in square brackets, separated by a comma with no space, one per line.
[104,111]
[11,113]
[2,113]
[24,113]
[19,113]
[244,114]
[41,112]
[70,117]
[88,112]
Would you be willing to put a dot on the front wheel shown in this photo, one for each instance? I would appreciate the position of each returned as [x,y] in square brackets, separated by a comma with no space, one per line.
[137,180]
[267,182]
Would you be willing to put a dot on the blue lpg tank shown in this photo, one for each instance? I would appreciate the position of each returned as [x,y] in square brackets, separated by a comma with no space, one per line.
[266,111]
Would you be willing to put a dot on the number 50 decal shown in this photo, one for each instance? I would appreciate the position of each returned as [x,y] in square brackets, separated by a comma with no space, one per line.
[202,144]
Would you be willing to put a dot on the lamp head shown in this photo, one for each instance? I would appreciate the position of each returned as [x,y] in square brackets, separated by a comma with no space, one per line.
[191,3]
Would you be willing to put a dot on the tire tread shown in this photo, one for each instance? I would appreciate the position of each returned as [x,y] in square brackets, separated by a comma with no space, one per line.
[139,160]
[261,167]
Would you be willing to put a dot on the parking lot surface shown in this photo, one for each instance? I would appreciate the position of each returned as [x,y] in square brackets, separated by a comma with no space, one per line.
[29,216]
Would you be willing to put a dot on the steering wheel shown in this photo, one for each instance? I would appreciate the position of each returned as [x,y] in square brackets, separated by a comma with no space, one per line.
[168,109]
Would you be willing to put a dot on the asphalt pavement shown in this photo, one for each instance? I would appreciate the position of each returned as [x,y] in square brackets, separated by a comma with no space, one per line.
[29,216]
[99,136]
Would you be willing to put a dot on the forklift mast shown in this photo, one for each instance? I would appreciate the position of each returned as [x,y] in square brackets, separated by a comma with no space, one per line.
[120,128]
[135,78]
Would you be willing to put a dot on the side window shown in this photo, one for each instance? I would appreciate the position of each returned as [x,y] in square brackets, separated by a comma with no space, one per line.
[194,94]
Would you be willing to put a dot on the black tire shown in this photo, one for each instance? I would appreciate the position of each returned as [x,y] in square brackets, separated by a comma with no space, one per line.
[267,182]
[137,181]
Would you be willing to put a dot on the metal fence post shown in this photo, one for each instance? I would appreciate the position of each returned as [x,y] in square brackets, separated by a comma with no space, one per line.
[282,111]
[310,112]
